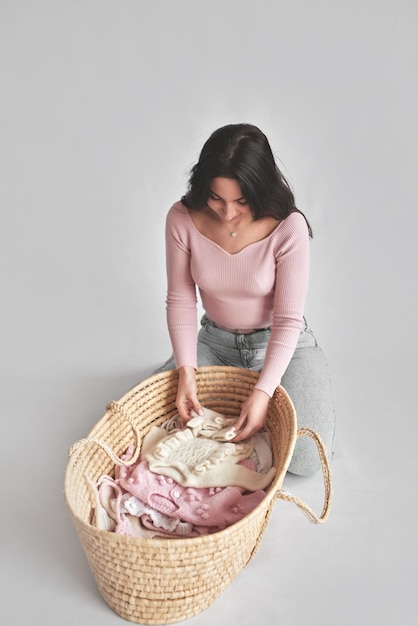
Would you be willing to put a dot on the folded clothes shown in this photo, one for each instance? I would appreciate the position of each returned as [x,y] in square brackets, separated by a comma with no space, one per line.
[134,519]
[189,480]
[202,455]
[211,506]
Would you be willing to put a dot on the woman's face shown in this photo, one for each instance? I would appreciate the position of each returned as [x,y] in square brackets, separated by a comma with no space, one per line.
[227,201]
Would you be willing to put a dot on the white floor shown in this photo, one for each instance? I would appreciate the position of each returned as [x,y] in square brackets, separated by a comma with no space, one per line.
[357,568]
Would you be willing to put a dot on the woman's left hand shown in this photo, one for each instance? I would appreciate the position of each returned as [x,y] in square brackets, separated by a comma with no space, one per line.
[253,415]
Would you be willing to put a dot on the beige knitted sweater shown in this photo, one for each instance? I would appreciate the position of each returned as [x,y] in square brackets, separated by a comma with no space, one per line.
[202,455]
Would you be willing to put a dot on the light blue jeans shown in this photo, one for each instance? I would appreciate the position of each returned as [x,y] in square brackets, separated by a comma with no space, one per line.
[307,381]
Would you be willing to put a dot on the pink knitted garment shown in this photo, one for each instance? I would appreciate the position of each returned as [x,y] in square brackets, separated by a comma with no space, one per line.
[214,506]
[265,284]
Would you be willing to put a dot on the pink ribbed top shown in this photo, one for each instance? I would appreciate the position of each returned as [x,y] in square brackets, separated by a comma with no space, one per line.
[264,284]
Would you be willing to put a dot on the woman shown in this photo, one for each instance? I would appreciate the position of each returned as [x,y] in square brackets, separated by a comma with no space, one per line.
[238,236]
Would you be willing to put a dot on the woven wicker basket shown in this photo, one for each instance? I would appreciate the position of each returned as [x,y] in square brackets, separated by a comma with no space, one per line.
[158,580]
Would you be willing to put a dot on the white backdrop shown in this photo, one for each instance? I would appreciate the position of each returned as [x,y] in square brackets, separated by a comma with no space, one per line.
[104,107]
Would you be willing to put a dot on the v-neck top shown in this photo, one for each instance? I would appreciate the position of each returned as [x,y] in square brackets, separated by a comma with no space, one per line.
[262,285]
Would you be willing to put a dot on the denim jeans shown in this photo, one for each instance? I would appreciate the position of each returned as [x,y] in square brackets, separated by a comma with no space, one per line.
[307,381]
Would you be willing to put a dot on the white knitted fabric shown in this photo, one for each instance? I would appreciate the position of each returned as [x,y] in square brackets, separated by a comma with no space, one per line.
[202,455]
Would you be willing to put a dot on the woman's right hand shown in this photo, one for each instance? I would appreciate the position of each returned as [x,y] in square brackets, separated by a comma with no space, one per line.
[187,399]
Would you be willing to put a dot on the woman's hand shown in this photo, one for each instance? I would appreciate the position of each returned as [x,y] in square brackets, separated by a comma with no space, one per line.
[186,399]
[253,415]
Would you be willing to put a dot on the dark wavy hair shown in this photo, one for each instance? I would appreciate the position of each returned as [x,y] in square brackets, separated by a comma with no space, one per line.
[242,152]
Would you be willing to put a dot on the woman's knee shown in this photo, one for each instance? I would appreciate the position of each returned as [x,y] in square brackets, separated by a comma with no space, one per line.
[305,460]
[170,364]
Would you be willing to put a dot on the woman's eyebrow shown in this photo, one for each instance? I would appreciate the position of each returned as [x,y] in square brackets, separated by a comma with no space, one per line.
[215,194]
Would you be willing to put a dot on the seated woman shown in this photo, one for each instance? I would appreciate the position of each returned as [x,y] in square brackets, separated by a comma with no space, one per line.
[238,237]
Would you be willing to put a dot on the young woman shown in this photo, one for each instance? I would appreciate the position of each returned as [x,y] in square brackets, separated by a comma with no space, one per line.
[238,237]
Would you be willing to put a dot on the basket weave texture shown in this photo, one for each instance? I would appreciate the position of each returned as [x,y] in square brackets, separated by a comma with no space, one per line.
[165,580]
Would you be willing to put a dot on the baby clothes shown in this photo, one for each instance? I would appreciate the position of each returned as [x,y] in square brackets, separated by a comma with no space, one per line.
[125,515]
[133,506]
[212,506]
[189,480]
[262,454]
[202,455]
[102,519]
[212,425]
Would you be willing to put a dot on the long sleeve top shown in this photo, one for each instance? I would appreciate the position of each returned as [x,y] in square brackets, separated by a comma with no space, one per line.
[262,285]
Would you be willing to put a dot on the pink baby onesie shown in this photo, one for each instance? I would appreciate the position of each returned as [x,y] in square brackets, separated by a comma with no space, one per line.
[126,515]
[211,506]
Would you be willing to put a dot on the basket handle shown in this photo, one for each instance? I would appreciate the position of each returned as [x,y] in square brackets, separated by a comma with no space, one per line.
[115,409]
[326,472]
